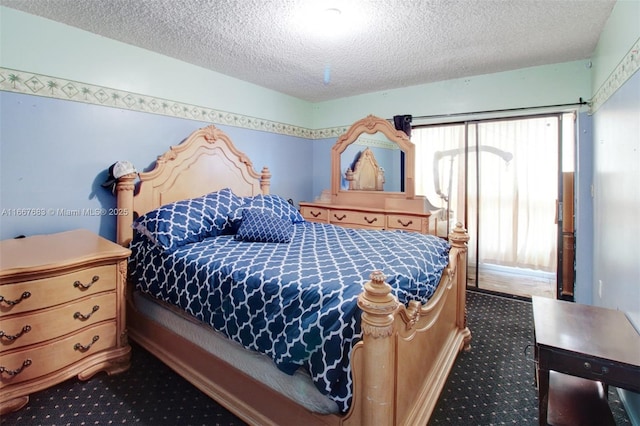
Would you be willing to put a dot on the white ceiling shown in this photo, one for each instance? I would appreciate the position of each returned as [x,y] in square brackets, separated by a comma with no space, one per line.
[378,45]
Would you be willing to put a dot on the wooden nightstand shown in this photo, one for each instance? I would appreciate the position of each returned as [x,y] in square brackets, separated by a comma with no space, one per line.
[62,312]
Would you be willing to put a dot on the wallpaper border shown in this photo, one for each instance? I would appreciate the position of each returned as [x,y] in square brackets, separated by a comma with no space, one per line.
[629,64]
[69,90]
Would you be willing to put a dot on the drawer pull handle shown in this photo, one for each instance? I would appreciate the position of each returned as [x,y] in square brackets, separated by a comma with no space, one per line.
[13,373]
[25,329]
[78,315]
[23,296]
[587,365]
[83,348]
[405,224]
[86,286]
[370,221]
[314,214]
[341,217]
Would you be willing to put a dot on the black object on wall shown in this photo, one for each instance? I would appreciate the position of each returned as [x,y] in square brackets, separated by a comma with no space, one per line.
[402,122]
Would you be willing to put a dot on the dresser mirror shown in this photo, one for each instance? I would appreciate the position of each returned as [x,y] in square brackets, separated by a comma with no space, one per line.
[363,156]
[377,137]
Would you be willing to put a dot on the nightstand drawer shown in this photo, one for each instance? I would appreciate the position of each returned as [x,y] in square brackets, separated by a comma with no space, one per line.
[358,218]
[55,290]
[315,214]
[607,371]
[35,362]
[405,222]
[47,324]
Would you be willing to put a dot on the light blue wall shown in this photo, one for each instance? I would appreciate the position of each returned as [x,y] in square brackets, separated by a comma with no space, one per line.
[321,165]
[584,210]
[289,159]
[616,171]
[616,258]
[55,154]
[616,264]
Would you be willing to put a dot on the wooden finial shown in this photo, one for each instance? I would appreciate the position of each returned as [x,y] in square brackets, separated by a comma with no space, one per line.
[378,306]
[265,180]
[459,236]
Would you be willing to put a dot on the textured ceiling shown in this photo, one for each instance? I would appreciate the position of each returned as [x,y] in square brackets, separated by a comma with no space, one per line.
[376,45]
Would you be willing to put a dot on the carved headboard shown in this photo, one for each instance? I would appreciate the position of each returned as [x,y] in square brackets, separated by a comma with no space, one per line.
[366,175]
[205,161]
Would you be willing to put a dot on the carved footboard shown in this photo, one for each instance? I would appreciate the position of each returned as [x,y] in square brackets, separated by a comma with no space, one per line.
[406,354]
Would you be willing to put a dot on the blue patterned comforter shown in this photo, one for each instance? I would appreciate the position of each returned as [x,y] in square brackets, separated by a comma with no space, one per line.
[295,302]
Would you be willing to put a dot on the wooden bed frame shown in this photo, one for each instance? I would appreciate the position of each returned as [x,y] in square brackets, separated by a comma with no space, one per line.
[400,366]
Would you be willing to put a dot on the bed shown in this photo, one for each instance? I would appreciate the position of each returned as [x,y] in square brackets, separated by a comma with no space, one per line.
[392,358]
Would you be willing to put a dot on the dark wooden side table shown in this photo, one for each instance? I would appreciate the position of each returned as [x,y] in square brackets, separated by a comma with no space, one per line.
[584,341]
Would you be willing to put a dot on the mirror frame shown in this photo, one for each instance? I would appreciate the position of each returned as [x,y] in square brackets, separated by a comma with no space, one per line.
[370,125]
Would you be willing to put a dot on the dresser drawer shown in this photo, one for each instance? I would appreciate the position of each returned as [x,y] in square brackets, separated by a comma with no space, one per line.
[35,362]
[406,222]
[315,214]
[358,219]
[28,329]
[55,290]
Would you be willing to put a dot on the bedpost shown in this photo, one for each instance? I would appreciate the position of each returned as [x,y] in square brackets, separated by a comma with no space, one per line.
[378,308]
[124,191]
[458,239]
[265,180]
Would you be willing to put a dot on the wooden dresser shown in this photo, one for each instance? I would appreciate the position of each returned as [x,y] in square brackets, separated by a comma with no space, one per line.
[365,217]
[62,312]
[364,202]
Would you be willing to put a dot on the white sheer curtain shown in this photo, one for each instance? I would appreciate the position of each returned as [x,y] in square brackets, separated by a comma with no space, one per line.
[517,191]
[517,199]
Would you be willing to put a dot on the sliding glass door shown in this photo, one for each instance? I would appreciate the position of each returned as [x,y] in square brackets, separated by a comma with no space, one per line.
[511,200]
[501,179]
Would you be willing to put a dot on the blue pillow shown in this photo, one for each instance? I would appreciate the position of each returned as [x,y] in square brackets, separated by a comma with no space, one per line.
[222,203]
[264,227]
[182,222]
[272,204]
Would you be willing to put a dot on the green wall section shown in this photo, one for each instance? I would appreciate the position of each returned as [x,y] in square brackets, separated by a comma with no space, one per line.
[37,45]
[618,43]
[528,87]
